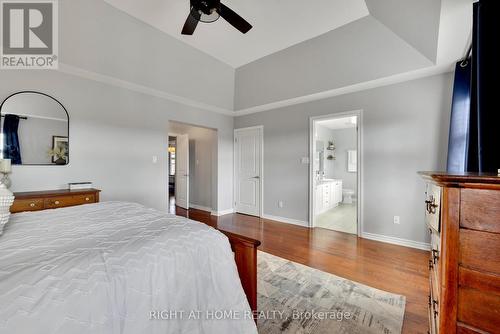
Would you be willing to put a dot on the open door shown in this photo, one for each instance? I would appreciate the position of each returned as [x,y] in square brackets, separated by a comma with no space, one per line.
[182,173]
[247,172]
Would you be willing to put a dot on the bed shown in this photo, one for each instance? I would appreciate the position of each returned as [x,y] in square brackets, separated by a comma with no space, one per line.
[116,267]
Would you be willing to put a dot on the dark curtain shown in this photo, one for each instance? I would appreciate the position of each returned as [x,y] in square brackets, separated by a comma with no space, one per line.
[11,149]
[484,142]
[474,140]
[460,117]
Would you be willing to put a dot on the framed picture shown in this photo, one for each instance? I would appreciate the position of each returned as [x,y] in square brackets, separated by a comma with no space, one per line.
[61,143]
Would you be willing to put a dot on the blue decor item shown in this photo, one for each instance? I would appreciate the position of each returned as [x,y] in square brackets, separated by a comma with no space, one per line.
[11,148]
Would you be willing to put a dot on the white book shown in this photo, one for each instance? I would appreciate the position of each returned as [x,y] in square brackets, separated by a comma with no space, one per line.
[80,185]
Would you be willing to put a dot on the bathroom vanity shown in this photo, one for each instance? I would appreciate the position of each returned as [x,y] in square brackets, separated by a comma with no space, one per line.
[328,195]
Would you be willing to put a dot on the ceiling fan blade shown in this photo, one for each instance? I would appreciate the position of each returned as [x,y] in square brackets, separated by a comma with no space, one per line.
[234,19]
[191,23]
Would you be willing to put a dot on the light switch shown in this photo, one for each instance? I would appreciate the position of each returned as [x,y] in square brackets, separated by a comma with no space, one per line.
[155,159]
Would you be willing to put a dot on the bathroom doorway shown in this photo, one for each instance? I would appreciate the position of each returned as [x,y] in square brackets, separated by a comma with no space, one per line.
[335,156]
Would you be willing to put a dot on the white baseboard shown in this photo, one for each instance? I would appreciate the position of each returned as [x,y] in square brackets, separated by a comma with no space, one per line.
[222,213]
[286,220]
[200,207]
[397,241]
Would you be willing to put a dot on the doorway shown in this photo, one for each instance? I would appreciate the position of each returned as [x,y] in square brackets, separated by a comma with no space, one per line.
[192,167]
[335,169]
[172,146]
[248,170]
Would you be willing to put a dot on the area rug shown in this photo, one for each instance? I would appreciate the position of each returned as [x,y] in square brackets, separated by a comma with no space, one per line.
[293,298]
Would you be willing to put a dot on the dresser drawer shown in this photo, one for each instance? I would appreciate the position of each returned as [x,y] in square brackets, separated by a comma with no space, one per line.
[478,309]
[479,210]
[64,201]
[21,205]
[480,251]
[433,207]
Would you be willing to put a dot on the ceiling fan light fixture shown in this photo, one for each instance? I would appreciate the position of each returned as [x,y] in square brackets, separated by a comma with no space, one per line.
[206,18]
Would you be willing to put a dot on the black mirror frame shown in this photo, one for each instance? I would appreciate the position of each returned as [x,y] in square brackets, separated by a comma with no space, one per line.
[53,98]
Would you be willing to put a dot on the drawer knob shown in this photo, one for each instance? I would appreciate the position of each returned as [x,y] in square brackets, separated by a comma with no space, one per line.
[56,202]
[87,199]
[32,205]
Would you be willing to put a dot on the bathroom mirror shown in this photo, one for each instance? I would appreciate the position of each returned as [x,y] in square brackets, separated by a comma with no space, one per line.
[34,130]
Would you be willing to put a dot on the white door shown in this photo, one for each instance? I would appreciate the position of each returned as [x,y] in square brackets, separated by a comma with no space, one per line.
[247,170]
[182,172]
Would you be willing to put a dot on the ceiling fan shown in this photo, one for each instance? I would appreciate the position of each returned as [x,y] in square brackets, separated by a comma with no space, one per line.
[208,11]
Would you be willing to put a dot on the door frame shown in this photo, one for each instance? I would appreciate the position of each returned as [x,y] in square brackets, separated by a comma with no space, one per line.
[170,134]
[188,201]
[261,130]
[312,147]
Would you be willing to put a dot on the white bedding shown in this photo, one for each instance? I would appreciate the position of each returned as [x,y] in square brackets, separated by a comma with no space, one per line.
[103,268]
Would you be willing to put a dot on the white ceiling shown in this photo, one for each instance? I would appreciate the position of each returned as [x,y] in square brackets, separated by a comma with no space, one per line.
[339,123]
[277,24]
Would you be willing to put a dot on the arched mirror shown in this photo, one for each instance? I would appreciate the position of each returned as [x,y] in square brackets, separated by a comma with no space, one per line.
[34,130]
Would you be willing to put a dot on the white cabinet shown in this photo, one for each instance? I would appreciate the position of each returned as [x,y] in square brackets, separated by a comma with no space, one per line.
[318,202]
[328,195]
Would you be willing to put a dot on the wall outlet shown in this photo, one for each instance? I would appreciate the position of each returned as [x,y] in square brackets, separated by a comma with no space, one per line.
[396,219]
[280,204]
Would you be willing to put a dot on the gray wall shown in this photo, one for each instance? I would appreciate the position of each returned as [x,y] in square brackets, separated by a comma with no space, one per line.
[201,143]
[114,133]
[345,139]
[405,129]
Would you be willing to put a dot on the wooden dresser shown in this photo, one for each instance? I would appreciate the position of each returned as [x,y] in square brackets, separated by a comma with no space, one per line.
[463,217]
[51,199]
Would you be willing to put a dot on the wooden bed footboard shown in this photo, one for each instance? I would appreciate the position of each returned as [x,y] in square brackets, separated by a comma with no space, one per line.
[245,255]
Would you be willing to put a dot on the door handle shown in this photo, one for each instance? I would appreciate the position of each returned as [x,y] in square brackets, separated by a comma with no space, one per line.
[256,177]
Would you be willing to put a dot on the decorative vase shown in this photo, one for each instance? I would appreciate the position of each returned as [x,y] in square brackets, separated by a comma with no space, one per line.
[6,200]
[6,180]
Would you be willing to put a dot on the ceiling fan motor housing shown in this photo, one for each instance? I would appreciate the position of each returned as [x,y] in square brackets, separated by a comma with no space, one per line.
[208,11]
[205,10]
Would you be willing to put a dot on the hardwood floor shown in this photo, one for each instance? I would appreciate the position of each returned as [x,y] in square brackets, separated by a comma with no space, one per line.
[384,266]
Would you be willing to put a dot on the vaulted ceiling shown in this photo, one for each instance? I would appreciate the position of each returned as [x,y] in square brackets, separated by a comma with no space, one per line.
[277,24]
[299,48]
